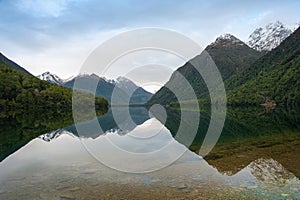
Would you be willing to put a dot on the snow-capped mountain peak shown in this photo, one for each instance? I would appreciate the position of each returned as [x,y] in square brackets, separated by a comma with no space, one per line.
[268,37]
[227,36]
[123,79]
[227,39]
[51,78]
[125,84]
[111,81]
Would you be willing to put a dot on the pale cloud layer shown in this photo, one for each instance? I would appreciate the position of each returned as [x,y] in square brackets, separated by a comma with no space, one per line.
[58,35]
[40,8]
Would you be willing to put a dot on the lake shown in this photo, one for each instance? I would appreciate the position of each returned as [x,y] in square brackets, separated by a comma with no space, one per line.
[135,154]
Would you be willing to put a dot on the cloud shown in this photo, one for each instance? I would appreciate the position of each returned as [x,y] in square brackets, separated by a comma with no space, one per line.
[58,34]
[42,8]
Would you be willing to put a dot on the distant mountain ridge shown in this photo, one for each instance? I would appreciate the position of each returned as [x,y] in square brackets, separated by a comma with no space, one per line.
[268,37]
[125,89]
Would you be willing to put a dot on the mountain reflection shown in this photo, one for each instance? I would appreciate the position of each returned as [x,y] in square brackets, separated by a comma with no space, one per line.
[249,134]
[66,158]
[16,131]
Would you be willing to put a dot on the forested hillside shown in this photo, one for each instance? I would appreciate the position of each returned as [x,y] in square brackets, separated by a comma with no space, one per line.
[228,53]
[22,92]
[273,77]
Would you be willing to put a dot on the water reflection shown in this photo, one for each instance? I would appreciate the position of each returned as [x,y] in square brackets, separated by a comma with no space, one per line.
[107,122]
[17,131]
[255,157]
[249,133]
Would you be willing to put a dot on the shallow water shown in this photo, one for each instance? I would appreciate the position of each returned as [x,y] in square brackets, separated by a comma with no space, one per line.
[134,163]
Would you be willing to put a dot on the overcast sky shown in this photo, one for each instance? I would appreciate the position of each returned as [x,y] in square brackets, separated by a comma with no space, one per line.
[58,35]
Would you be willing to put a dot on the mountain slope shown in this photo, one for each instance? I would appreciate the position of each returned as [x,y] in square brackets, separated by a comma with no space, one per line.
[138,94]
[269,37]
[230,55]
[11,63]
[274,76]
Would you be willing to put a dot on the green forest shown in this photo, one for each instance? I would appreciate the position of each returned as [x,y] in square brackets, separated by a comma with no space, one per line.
[275,76]
[20,92]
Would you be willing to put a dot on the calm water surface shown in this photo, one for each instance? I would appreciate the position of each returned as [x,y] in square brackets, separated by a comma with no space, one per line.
[257,156]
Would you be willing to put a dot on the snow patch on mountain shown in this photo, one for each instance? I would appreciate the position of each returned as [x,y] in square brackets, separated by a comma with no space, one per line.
[268,37]
[48,137]
[126,85]
[51,78]
[227,40]
[123,83]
